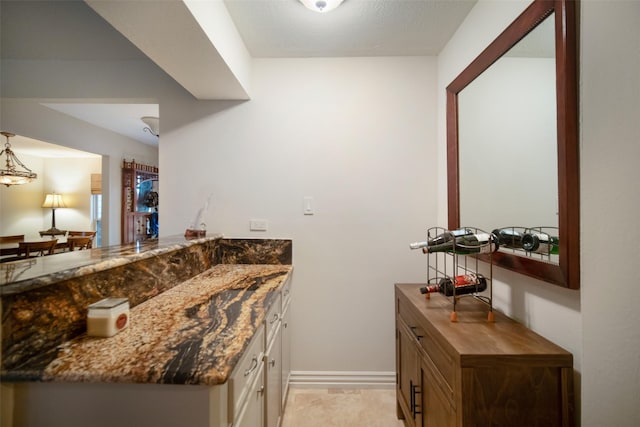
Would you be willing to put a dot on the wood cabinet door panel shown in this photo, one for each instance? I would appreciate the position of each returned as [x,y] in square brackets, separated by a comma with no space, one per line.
[437,410]
[513,396]
[408,371]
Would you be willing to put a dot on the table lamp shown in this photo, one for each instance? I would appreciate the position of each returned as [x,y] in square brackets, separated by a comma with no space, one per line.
[53,201]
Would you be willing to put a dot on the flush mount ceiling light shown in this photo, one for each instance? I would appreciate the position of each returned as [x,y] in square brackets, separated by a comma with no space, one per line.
[153,125]
[321,6]
[12,175]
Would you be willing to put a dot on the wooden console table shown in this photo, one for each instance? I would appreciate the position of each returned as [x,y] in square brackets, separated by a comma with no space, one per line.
[473,372]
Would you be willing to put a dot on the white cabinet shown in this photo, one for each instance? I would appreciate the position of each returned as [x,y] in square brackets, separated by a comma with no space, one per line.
[277,357]
[286,353]
[273,374]
[244,375]
[252,413]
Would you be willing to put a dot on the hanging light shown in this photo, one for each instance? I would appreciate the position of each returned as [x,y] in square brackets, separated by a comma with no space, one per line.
[11,175]
[321,6]
[153,125]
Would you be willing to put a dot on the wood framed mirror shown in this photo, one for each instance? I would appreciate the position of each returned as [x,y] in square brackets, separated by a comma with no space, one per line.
[564,269]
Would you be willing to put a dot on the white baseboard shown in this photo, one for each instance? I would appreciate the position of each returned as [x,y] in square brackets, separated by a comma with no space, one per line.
[342,379]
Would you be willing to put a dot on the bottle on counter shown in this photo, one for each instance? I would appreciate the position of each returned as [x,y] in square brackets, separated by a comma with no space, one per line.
[441,238]
[509,237]
[468,244]
[540,243]
[464,284]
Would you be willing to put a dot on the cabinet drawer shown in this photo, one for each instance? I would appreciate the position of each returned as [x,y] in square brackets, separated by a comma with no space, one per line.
[286,294]
[245,372]
[272,318]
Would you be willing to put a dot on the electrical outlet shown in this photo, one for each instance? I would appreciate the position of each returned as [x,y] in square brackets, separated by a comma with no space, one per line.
[258,224]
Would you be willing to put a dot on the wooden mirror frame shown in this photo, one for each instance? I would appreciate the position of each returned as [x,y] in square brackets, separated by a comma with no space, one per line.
[566,272]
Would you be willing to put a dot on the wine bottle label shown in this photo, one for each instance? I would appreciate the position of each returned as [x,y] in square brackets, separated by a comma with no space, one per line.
[466,279]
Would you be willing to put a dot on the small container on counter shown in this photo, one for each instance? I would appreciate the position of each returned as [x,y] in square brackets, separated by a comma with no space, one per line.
[107,317]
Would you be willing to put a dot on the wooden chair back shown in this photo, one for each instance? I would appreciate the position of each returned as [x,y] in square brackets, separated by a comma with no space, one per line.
[79,242]
[12,239]
[35,249]
[91,234]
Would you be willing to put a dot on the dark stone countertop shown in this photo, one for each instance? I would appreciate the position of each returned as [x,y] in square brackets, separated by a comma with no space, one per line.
[195,305]
[194,333]
[19,276]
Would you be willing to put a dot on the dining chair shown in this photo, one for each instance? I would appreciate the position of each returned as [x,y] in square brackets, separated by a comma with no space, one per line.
[12,239]
[37,248]
[79,242]
[91,234]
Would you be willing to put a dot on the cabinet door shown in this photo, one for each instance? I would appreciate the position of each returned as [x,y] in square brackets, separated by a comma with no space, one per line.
[286,353]
[437,410]
[252,414]
[408,370]
[273,373]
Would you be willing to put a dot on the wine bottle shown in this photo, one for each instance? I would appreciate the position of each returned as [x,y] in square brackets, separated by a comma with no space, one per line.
[464,284]
[442,238]
[540,243]
[467,244]
[508,237]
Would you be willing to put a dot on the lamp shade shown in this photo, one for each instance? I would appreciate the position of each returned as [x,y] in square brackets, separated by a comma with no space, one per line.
[54,201]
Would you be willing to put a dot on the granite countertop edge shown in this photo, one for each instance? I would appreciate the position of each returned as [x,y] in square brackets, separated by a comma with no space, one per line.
[195,333]
[81,263]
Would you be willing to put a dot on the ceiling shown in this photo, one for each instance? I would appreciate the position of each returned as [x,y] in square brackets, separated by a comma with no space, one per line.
[268,28]
[285,28]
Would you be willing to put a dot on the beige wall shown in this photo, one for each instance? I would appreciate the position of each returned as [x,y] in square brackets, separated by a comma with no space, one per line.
[20,205]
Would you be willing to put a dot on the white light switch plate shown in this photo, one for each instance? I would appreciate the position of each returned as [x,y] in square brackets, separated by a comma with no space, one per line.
[258,224]
[308,206]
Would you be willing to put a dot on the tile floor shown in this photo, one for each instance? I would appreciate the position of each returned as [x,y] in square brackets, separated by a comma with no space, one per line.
[341,408]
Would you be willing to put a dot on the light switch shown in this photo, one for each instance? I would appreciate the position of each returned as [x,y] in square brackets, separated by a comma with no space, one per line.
[258,224]
[308,206]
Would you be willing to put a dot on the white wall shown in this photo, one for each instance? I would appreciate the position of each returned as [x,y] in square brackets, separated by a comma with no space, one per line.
[610,149]
[357,135]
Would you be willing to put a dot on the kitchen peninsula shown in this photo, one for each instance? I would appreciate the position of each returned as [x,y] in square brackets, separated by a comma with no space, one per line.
[202,314]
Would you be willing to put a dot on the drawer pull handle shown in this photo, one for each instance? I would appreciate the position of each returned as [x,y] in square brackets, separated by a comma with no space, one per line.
[273,362]
[254,365]
[413,329]
[275,318]
[414,401]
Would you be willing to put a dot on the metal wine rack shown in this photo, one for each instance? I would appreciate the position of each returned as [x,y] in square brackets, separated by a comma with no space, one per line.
[514,245]
[447,265]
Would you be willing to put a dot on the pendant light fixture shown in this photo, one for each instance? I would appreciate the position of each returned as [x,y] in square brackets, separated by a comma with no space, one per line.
[321,6]
[11,175]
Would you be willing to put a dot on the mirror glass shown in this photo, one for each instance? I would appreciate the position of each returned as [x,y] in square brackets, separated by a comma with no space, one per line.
[507,139]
